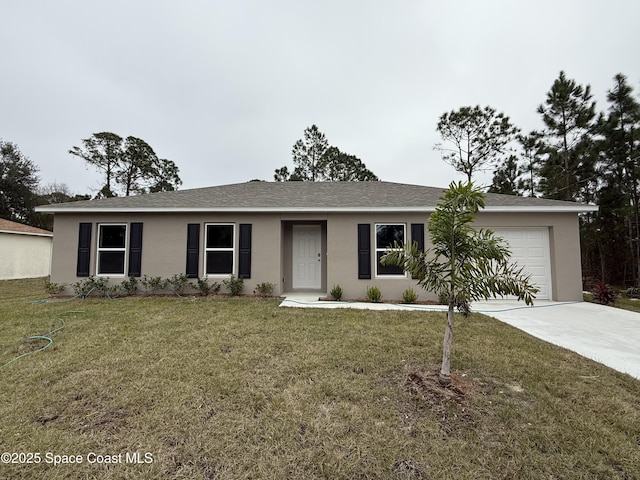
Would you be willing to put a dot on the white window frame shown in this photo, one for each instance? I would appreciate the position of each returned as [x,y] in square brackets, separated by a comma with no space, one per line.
[219,249]
[384,249]
[118,249]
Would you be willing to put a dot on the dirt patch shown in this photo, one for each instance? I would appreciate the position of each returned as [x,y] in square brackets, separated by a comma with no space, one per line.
[406,469]
[87,413]
[96,414]
[451,406]
[427,387]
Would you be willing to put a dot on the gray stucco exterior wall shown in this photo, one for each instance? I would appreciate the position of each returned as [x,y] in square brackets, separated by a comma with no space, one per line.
[164,246]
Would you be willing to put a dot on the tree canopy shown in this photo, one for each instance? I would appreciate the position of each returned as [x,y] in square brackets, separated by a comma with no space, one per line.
[130,166]
[315,160]
[18,183]
[580,154]
[474,138]
[569,116]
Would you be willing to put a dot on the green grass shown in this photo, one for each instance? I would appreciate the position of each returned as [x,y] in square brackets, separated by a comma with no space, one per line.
[238,388]
[621,301]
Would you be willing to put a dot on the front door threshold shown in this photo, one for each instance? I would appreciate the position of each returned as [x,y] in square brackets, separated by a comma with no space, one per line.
[307,296]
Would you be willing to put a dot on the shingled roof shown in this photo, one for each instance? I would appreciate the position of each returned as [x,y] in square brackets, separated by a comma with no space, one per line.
[7,226]
[302,196]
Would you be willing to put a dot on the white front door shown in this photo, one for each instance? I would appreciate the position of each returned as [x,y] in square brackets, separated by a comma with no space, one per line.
[307,256]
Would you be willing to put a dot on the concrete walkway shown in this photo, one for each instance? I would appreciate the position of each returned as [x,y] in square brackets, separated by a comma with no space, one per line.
[607,335]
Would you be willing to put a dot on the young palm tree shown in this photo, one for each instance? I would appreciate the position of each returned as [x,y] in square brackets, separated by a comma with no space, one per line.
[464,264]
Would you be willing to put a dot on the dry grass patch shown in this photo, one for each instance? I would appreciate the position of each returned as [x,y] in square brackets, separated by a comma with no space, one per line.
[240,388]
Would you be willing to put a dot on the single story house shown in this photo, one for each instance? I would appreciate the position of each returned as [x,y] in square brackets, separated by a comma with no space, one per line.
[299,236]
[25,252]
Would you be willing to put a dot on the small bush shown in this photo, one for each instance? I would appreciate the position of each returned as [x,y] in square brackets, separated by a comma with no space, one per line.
[53,288]
[84,288]
[205,288]
[130,286]
[409,296]
[603,294]
[264,289]
[443,298]
[463,306]
[153,284]
[373,294]
[235,285]
[632,292]
[336,292]
[178,283]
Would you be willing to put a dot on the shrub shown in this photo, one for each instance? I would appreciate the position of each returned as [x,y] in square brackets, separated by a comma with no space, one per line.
[264,289]
[205,288]
[84,288]
[632,292]
[177,283]
[153,284]
[373,294]
[603,294]
[235,285]
[409,296]
[336,292]
[461,303]
[443,298]
[130,286]
[53,288]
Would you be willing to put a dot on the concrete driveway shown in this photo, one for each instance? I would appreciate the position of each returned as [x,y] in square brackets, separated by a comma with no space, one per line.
[607,335]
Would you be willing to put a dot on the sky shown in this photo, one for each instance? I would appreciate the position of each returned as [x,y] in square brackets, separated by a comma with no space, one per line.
[224,89]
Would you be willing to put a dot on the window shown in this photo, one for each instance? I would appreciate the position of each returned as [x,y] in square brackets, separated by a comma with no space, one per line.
[219,249]
[386,235]
[112,247]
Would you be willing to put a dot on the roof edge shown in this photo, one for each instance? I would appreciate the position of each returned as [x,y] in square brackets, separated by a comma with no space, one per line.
[32,234]
[578,208]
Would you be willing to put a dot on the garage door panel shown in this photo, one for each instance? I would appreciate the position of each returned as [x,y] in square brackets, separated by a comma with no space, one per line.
[535,235]
[538,271]
[536,252]
[514,235]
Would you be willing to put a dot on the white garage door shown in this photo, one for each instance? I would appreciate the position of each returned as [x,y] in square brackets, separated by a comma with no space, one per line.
[530,249]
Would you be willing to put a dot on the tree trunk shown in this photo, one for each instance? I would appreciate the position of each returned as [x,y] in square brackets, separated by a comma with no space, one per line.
[445,370]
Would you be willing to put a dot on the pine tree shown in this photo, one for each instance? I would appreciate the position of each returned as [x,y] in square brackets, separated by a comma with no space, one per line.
[567,169]
[619,193]
[308,154]
[130,164]
[475,138]
[530,145]
[315,161]
[506,178]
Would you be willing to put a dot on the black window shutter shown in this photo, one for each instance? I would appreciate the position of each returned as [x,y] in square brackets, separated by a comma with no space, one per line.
[193,249]
[417,235]
[364,251]
[135,250]
[84,250]
[244,262]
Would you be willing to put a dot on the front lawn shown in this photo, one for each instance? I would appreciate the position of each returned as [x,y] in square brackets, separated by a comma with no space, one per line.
[238,388]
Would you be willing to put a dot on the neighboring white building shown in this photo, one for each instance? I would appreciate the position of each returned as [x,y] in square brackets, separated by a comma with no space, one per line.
[25,252]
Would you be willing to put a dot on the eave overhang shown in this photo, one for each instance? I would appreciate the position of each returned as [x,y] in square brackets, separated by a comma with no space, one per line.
[578,208]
